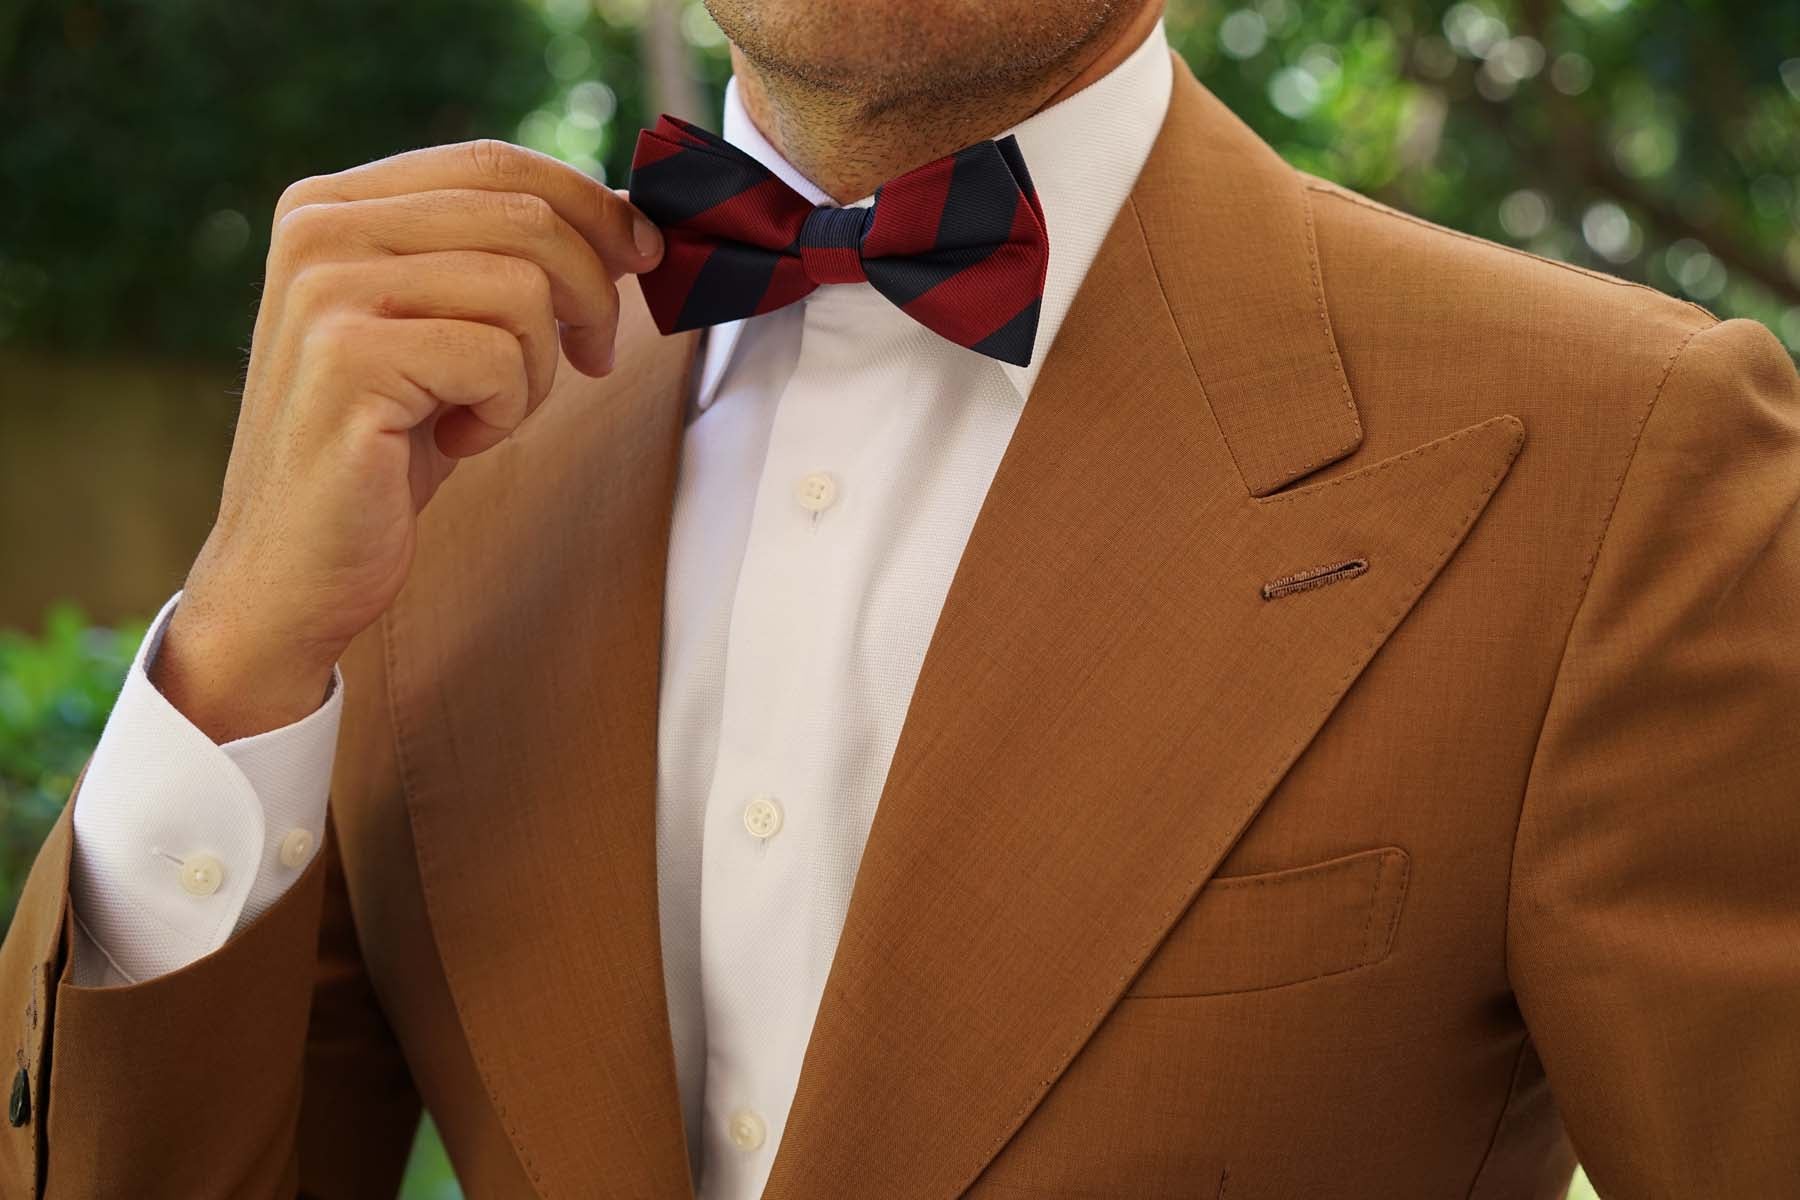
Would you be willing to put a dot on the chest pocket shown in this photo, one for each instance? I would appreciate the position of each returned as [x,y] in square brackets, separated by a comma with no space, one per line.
[1246,932]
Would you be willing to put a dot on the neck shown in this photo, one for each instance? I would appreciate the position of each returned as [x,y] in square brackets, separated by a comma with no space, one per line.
[849,147]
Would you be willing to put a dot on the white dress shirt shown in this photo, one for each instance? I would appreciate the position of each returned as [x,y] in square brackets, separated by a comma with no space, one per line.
[835,459]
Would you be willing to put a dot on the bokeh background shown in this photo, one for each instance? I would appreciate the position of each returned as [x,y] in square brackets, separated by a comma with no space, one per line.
[143,144]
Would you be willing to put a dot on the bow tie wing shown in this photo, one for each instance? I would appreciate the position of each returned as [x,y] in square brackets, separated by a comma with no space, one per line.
[960,246]
[728,226]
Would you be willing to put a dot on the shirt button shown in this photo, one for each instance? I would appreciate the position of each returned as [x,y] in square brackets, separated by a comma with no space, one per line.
[816,491]
[762,816]
[295,847]
[746,1129]
[201,874]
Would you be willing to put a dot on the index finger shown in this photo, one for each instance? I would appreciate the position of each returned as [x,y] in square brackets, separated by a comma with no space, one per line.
[626,240]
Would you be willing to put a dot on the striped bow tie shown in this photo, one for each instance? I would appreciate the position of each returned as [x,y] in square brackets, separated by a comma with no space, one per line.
[958,244]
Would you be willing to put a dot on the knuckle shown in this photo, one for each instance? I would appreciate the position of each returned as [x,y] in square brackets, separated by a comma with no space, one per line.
[528,212]
[311,288]
[525,281]
[332,344]
[300,228]
[495,345]
[493,159]
[300,192]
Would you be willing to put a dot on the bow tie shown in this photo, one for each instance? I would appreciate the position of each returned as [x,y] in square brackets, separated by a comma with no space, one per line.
[958,244]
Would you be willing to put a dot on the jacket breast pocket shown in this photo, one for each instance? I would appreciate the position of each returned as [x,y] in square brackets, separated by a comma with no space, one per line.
[1247,932]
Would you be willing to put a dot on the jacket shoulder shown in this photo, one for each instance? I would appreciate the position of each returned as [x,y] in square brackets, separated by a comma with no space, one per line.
[1470,304]
[1439,329]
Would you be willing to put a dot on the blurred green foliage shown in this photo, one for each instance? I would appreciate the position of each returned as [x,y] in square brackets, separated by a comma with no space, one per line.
[55,692]
[1658,140]
[147,142]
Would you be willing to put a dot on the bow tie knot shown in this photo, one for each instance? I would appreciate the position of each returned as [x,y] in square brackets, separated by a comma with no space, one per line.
[830,244]
[957,244]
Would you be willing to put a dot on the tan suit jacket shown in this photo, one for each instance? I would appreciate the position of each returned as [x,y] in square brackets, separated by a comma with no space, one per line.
[1184,883]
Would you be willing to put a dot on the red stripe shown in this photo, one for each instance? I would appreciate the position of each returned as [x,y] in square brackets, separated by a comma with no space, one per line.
[767,214]
[677,130]
[666,288]
[1028,230]
[787,284]
[832,264]
[909,211]
[653,149]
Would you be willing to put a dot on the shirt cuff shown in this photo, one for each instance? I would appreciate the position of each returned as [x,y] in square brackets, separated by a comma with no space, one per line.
[179,841]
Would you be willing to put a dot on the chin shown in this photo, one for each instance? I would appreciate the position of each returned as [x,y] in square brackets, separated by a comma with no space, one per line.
[893,48]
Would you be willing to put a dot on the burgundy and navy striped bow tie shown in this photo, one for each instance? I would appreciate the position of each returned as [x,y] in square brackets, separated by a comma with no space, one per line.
[958,244]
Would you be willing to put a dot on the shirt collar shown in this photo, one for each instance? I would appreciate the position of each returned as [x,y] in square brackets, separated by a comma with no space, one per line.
[1084,154]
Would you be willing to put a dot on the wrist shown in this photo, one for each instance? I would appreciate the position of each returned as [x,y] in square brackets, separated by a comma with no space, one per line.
[233,682]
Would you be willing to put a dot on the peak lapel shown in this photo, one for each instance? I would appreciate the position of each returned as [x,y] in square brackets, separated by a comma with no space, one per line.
[1104,644]
[524,664]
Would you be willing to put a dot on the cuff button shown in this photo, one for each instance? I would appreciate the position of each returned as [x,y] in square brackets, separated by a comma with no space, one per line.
[19,1111]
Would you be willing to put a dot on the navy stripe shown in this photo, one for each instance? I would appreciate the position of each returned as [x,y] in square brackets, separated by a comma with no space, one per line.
[728,286]
[1012,342]
[978,208]
[686,184]
[904,280]
[1015,159]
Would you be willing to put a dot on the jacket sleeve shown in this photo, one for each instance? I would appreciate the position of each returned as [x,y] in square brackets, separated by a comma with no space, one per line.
[262,1069]
[1654,924]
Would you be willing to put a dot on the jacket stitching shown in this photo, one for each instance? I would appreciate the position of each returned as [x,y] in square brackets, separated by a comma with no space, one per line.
[1313,577]
[1288,875]
[1389,463]
[1363,952]
[1366,954]
[1186,352]
[1337,362]
[1393,926]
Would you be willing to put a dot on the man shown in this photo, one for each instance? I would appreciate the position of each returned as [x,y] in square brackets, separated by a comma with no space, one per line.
[1261,697]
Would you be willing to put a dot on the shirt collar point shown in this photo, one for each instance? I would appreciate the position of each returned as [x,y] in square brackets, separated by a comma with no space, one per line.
[715,355]
[1022,377]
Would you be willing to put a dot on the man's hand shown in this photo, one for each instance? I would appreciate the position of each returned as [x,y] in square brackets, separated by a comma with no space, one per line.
[410,317]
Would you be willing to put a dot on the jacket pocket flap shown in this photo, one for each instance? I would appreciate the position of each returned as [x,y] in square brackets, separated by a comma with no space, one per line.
[1245,932]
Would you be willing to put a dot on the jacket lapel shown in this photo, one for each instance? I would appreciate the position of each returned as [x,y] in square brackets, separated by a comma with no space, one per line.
[524,660]
[1105,643]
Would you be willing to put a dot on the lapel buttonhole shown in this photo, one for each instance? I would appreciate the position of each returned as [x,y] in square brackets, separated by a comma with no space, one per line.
[1314,577]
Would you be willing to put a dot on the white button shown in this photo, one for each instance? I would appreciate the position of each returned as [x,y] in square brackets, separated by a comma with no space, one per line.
[746,1129]
[762,816]
[816,491]
[202,874]
[295,847]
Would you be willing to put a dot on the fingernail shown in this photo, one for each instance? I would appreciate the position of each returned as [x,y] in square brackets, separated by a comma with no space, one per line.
[646,235]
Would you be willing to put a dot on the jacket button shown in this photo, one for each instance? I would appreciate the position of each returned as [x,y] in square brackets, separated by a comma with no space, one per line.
[19,1111]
